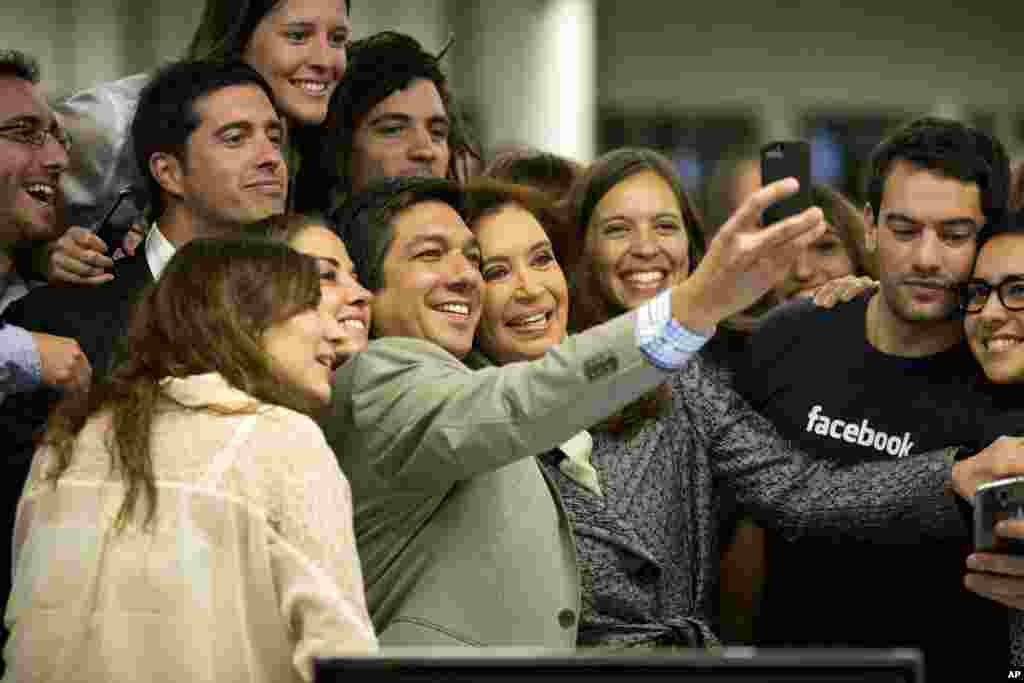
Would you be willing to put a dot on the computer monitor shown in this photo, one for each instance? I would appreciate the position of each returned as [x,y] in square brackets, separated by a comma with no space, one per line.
[731,665]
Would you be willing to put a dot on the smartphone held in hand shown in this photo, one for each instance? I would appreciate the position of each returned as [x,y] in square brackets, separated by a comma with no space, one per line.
[787,159]
[994,502]
[105,228]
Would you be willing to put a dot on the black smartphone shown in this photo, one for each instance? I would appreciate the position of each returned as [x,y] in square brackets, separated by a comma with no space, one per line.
[787,159]
[993,502]
[105,229]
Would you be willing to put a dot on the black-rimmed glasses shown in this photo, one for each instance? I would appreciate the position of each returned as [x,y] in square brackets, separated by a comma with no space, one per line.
[36,137]
[974,294]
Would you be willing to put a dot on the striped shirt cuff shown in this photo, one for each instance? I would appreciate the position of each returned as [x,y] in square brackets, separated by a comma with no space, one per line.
[665,343]
[20,366]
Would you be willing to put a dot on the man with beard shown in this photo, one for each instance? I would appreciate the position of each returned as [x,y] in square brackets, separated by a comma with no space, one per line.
[888,375]
[34,156]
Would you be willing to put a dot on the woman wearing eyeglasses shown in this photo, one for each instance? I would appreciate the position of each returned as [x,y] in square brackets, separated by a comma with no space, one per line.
[992,301]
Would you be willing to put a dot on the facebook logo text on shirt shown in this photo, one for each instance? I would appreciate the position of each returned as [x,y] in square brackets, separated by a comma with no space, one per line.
[860,434]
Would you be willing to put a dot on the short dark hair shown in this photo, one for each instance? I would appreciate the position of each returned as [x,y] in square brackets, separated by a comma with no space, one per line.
[166,114]
[950,148]
[365,222]
[227,26]
[19,65]
[1011,223]
[378,66]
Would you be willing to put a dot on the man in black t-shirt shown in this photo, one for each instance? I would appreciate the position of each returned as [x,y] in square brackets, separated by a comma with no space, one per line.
[888,376]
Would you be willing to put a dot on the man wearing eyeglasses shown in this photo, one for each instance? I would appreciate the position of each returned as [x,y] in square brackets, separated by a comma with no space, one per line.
[33,154]
[888,376]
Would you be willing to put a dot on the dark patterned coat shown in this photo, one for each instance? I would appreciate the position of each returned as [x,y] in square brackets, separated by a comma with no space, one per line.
[648,549]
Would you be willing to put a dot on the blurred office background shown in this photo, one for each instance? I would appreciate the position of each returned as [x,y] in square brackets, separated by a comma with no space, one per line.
[581,76]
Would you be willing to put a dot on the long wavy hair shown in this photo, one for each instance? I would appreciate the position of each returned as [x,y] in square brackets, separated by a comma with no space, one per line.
[589,304]
[206,314]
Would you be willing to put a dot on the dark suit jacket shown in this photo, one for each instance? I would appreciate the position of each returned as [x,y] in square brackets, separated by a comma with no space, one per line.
[95,316]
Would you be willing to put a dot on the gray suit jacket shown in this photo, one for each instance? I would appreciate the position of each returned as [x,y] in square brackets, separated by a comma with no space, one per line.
[462,539]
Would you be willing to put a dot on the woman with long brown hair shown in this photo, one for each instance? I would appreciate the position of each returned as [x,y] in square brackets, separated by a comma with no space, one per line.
[186,519]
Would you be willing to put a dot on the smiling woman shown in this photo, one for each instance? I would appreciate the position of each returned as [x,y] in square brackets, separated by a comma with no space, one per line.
[525,295]
[993,302]
[639,233]
[342,297]
[300,48]
[172,469]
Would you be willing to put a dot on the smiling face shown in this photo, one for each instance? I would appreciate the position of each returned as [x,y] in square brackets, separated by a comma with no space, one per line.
[302,353]
[406,134]
[925,238]
[637,241]
[232,174]
[996,335]
[299,47]
[29,175]
[525,296]
[342,298]
[823,260]
[431,279]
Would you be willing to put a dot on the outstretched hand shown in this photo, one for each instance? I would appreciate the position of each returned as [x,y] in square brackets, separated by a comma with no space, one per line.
[745,260]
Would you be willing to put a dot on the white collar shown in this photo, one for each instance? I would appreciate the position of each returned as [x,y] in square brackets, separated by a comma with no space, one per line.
[206,389]
[158,251]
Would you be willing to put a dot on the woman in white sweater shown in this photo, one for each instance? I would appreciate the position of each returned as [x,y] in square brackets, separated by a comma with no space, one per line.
[186,520]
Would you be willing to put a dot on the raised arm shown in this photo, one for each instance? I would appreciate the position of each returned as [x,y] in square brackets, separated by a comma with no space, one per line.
[427,421]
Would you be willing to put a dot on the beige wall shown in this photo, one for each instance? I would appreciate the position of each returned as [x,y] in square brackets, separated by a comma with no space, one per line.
[777,59]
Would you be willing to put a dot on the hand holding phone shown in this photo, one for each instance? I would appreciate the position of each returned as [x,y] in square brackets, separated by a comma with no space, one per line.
[84,256]
[994,502]
[787,159]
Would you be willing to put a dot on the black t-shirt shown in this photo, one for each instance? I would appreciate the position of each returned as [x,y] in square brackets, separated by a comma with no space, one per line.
[814,374]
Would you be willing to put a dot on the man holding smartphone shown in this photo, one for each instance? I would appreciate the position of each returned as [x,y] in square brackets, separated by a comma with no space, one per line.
[887,375]
[34,156]
[221,177]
